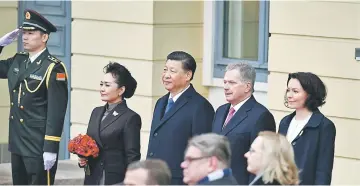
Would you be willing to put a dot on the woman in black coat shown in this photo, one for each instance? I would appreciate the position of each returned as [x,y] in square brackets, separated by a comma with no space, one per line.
[310,132]
[115,128]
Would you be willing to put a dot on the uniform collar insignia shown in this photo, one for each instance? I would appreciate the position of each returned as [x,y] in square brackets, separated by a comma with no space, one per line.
[115,113]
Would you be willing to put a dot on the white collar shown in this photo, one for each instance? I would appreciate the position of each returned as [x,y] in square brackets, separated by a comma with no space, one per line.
[295,127]
[32,58]
[178,95]
[237,106]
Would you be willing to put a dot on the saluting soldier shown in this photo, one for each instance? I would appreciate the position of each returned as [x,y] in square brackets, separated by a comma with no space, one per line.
[38,97]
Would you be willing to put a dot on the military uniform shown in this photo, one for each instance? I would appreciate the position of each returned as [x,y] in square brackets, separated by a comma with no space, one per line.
[38,98]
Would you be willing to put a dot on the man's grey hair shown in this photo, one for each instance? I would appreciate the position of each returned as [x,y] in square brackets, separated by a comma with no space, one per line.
[212,144]
[157,170]
[246,71]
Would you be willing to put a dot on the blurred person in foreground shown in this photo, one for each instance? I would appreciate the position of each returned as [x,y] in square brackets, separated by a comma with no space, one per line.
[207,161]
[148,172]
[271,159]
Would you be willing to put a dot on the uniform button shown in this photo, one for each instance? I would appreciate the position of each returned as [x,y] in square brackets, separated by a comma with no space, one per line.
[156,134]
[14,90]
[12,103]
[294,143]
[23,93]
[101,163]
[21,120]
[12,117]
[151,154]
[22,107]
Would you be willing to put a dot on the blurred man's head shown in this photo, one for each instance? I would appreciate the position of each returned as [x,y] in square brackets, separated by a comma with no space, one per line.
[205,154]
[148,172]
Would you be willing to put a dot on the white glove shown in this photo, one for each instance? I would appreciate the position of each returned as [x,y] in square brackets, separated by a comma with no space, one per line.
[9,37]
[49,160]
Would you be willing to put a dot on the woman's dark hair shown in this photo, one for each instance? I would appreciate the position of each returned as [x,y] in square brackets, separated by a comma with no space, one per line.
[122,78]
[313,86]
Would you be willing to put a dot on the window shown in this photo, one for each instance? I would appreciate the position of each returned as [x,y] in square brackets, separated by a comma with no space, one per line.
[241,34]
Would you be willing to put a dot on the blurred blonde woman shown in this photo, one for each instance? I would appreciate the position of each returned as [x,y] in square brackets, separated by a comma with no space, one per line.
[271,159]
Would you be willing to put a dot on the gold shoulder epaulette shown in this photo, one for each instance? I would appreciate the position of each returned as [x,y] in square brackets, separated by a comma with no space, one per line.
[54,59]
[23,53]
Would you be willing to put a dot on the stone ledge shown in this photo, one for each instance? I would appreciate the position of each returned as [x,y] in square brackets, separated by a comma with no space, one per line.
[68,173]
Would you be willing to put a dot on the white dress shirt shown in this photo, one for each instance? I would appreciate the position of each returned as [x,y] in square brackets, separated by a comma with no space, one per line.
[237,106]
[33,58]
[178,95]
[296,127]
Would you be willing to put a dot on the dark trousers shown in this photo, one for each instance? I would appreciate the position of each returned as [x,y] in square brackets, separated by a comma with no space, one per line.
[30,170]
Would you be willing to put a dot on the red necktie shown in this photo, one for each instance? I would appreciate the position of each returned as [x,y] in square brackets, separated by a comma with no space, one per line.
[230,115]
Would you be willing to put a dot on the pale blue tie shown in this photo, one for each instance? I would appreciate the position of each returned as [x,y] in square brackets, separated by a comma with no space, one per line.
[169,105]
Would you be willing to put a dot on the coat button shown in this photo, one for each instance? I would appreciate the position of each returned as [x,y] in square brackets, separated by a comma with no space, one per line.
[12,103]
[294,143]
[22,107]
[151,154]
[12,117]
[21,120]
[156,134]
[23,93]
[14,90]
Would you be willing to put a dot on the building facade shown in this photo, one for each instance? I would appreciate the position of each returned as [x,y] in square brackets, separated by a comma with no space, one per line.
[277,37]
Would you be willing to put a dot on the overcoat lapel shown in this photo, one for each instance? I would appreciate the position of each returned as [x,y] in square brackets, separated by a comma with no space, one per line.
[95,127]
[313,122]
[239,116]
[222,117]
[119,110]
[33,67]
[182,101]
[18,68]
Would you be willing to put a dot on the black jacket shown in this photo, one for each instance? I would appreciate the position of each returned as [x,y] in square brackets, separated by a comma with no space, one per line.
[191,115]
[118,138]
[241,131]
[314,148]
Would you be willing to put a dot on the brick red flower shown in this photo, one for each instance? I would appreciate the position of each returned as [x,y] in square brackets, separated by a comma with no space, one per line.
[84,146]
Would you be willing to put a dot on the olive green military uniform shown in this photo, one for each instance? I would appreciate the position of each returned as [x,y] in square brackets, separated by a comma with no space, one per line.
[38,98]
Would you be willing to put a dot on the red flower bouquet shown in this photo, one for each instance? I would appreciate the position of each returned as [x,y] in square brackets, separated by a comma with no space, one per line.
[85,147]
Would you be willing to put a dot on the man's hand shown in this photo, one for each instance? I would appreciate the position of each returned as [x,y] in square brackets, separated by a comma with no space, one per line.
[9,37]
[49,160]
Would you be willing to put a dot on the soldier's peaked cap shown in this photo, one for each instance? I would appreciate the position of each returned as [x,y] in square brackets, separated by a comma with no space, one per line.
[35,21]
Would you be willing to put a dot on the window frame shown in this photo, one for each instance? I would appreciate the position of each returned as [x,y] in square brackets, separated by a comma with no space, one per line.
[220,62]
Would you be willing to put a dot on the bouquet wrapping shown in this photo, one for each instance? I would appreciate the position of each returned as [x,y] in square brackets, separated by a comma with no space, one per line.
[85,147]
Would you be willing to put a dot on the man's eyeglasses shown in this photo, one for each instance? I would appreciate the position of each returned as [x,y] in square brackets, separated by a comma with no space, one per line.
[191,159]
